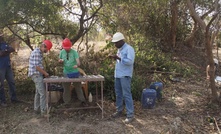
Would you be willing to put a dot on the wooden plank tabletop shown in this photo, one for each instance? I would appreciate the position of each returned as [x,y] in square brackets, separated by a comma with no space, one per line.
[56,79]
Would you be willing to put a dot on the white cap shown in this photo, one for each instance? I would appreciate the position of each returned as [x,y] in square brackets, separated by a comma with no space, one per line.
[117,37]
[216,61]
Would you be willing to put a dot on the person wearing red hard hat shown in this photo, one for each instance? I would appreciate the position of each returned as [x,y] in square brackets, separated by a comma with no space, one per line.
[48,44]
[70,60]
[66,44]
[37,73]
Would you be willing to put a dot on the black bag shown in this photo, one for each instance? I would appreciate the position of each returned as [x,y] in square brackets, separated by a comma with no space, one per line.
[55,87]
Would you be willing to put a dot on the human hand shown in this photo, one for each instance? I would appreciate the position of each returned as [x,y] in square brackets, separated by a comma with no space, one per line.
[46,75]
[4,53]
[110,56]
[114,57]
[75,66]
[60,60]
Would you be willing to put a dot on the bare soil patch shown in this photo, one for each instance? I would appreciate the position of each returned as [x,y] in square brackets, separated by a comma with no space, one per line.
[184,109]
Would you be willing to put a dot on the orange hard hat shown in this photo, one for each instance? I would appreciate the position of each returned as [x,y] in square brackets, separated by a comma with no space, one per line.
[48,44]
[66,44]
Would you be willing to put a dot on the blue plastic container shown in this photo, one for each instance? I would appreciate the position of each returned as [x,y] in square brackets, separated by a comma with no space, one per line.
[73,75]
[148,98]
[158,86]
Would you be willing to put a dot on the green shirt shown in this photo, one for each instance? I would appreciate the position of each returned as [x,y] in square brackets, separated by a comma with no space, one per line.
[69,60]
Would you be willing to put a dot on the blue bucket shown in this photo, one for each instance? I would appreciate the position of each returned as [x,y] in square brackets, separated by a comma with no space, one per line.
[158,86]
[148,98]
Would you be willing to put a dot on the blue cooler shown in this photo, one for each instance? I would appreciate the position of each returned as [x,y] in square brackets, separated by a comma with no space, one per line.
[158,86]
[148,98]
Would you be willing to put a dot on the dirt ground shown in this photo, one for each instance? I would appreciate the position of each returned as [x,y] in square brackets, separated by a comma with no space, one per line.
[185,109]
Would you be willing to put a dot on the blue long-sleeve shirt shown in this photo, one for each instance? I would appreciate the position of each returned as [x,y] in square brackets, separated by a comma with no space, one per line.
[125,66]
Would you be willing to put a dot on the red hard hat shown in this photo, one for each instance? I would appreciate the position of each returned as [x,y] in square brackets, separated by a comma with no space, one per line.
[48,44]
[66,43]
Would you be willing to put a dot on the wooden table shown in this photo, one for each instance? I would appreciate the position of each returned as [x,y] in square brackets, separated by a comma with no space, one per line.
[87,78]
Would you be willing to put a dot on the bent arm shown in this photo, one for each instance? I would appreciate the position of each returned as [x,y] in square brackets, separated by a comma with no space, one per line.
[78,62]
[129,59]
[6,52]
[42,71]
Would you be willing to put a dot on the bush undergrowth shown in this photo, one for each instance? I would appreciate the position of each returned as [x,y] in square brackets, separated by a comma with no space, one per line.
[151,65]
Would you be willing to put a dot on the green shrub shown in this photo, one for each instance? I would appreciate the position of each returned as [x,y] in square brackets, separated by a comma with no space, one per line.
[138,83]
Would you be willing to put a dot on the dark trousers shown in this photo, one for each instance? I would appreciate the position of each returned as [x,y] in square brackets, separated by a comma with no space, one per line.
[6,73]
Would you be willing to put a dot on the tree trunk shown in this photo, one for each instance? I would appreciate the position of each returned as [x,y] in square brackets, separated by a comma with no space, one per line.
[211,63]
[210,57]
[190,39]
[174,20]
[206,29]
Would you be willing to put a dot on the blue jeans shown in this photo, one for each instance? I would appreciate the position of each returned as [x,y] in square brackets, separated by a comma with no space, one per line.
[6,73]
[123,93]
[40,93]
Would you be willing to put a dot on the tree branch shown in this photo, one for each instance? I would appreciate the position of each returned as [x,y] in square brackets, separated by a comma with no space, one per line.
[195,15]
[28,43]
[211,21]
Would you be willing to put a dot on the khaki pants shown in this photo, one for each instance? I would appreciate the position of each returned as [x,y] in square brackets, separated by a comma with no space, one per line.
[67,91]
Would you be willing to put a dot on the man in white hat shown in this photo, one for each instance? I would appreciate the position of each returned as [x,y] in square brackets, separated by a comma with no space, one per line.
[123,75]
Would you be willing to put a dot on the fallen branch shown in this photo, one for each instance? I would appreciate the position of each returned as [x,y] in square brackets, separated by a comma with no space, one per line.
[163,72]
[217,125]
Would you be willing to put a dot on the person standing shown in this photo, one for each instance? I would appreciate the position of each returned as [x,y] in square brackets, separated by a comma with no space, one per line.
[123,74]
[216,66]
[37,73]
[6,72]
[70,60]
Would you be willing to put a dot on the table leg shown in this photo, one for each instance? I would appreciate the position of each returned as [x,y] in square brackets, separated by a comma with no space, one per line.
[46,85]
[47,108]
[96,93]
[102,100]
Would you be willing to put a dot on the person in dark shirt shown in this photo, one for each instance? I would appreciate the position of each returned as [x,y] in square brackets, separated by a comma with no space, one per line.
[6,72]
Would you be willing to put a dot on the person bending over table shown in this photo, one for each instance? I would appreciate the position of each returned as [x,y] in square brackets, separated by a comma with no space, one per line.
[37,73]
[70,60]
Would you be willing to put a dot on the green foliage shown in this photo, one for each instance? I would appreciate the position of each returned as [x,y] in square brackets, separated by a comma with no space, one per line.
[146,25]
[51,64]
[23,83]
[138,83]
[150,58]
[107,70]
[97,62]
[26,86]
